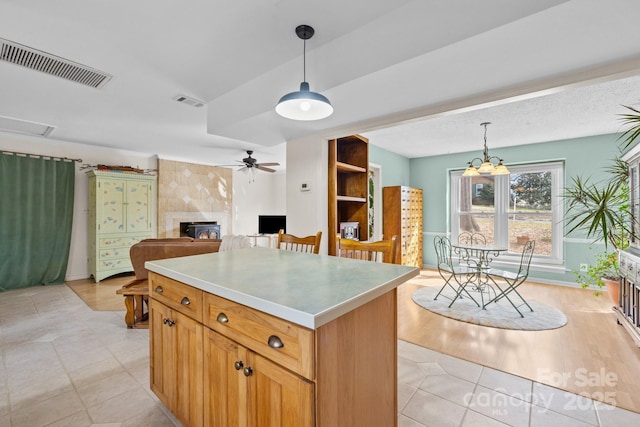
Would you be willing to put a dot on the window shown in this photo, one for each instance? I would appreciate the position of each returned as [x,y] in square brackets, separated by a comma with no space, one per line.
[511,209]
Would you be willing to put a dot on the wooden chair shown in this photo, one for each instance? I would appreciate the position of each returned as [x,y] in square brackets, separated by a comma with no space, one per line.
[378,251]
[308,244]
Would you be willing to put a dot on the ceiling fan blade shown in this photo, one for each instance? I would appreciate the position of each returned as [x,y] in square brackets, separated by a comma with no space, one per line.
[262,168]
[268,164]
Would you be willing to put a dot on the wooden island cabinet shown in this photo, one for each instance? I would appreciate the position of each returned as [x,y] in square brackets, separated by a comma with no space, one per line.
[231,347]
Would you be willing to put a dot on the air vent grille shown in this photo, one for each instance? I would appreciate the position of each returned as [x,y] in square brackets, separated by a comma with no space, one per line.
[24,127]
[50,64]
[189,101]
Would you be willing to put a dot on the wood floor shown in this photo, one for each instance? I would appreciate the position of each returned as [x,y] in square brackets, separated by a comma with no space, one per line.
[591,355]
[101,296]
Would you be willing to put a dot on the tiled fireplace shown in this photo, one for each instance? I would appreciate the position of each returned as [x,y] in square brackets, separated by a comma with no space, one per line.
[189,192]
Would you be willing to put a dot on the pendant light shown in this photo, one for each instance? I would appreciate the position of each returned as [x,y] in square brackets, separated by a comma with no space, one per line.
[487,165]
[304,104]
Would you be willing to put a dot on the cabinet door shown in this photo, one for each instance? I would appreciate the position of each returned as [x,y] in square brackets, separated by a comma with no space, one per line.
[111,199]
[225,387]
[188,369]
[176,361]
[138,206]
[244,389]
[161,345]
[278,397]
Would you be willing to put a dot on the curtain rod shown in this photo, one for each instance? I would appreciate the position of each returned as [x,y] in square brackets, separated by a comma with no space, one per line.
[41,155]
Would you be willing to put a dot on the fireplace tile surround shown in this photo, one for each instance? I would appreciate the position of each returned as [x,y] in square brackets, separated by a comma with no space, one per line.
[189,192]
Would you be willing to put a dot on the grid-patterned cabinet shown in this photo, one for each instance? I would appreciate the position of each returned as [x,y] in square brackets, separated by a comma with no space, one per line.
[402,216]
[348,186]
[120,215]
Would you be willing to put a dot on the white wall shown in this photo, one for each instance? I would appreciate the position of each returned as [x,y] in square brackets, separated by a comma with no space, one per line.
[266,195]
[262,194]
[307,213]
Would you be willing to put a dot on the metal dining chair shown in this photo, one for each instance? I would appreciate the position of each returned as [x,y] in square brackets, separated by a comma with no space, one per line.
[469,238]
[460,275]
[308,244]
[508,282]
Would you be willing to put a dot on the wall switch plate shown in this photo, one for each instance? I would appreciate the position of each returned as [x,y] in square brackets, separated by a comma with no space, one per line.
[305,186]
[584,267]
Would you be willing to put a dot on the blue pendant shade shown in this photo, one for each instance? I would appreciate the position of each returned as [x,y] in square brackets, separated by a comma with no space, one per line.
[304,105]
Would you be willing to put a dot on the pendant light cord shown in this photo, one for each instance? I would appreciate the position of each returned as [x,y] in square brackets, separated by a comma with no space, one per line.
[304,60]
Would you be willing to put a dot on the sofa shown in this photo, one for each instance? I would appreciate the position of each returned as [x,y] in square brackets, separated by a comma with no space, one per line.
[136,292]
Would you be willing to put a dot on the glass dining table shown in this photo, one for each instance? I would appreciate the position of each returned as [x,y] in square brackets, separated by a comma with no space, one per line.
[478,258]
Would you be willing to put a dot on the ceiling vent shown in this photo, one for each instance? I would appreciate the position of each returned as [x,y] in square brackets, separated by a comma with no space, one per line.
[24,127]
[189,101]
[50,64]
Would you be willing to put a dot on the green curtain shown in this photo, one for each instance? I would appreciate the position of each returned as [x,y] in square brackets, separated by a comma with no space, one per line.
[36,214]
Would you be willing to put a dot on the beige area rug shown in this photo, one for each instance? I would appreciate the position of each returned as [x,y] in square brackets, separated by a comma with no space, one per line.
[496,315]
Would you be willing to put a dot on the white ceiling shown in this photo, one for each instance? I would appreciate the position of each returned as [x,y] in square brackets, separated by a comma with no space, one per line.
[439,67]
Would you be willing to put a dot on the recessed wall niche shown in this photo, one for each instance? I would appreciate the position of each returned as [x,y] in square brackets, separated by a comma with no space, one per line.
[189,192]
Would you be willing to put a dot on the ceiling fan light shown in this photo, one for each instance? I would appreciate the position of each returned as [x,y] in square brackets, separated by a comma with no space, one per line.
[304,105]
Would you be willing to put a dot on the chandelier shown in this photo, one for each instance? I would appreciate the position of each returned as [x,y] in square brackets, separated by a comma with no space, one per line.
[486,165]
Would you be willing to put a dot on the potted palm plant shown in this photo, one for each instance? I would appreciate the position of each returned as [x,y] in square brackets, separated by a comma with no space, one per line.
[602,210]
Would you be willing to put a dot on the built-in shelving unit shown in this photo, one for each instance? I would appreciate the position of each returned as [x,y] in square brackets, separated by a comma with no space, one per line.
[348,186]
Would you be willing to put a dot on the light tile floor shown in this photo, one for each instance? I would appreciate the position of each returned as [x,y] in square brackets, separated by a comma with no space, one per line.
[63,364]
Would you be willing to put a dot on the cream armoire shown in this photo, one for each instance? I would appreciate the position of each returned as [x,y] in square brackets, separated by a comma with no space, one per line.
[121,214]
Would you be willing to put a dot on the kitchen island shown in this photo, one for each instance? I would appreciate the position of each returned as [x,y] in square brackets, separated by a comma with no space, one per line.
[269,337]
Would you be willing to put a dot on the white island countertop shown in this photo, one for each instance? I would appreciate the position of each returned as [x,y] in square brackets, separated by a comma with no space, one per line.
[306,289]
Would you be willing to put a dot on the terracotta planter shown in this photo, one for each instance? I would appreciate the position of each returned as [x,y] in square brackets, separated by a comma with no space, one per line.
[613,288]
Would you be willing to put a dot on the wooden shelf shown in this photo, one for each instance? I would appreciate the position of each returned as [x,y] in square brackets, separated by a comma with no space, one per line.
[346,167]
[351,199]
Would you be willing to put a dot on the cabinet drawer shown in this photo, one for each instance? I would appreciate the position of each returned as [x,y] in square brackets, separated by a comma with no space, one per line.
[286,343]
[113,253]
[183,298]
[120,242]
[114,264]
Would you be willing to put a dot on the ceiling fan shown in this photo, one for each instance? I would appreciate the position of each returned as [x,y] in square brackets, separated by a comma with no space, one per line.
[251,163]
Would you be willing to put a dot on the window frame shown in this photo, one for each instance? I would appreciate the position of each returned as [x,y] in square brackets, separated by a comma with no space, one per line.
[502,189]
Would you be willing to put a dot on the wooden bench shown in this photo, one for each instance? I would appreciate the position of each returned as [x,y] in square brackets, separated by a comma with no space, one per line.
[136,292]
[135,300]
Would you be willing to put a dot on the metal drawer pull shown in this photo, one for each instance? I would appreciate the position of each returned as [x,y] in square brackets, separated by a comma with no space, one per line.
[185,301]
[248,371]
[168,322]
[238,365]
[159,289]
[275,342]
[222,318]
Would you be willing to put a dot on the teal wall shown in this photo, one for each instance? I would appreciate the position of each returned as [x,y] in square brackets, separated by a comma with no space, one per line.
[395,170]
[581,156]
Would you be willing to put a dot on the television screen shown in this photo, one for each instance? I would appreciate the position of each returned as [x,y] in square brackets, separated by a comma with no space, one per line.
[271,224]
